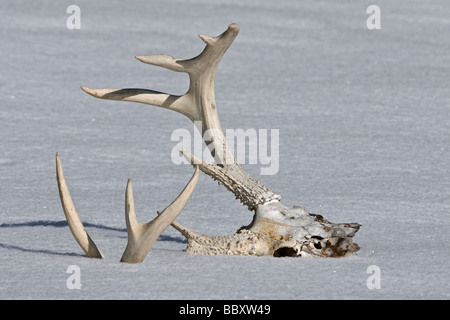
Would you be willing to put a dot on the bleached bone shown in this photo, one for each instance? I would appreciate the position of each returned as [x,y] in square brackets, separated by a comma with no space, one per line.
[72,217]
[141,237]
[275,229]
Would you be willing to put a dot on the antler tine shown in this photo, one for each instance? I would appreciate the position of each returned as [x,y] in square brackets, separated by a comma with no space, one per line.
[72,217]
[166,61]
[141,237]
[176,103]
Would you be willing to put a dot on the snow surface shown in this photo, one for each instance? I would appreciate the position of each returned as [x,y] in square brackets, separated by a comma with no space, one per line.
[364,137]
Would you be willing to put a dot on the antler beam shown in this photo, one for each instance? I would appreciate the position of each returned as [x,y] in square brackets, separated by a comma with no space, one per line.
[199,105]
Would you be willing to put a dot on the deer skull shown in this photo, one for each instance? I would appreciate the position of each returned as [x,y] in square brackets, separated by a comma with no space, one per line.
[275,229]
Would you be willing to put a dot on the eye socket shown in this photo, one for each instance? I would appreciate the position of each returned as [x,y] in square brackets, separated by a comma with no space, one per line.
[317,245]
[285,252]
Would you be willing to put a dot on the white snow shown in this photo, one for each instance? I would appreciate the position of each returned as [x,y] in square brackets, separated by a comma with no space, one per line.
[364,137]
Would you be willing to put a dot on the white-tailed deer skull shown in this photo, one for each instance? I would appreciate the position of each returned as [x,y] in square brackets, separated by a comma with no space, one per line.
[275,229]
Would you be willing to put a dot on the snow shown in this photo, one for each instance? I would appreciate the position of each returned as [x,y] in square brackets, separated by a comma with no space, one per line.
[364,137]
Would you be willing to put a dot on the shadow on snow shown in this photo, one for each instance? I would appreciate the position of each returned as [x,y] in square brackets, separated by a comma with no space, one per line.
[63,224]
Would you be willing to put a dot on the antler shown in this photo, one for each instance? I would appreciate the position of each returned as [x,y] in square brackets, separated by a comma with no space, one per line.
[199,105]
[73,219]
[141,237]
[275,229]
